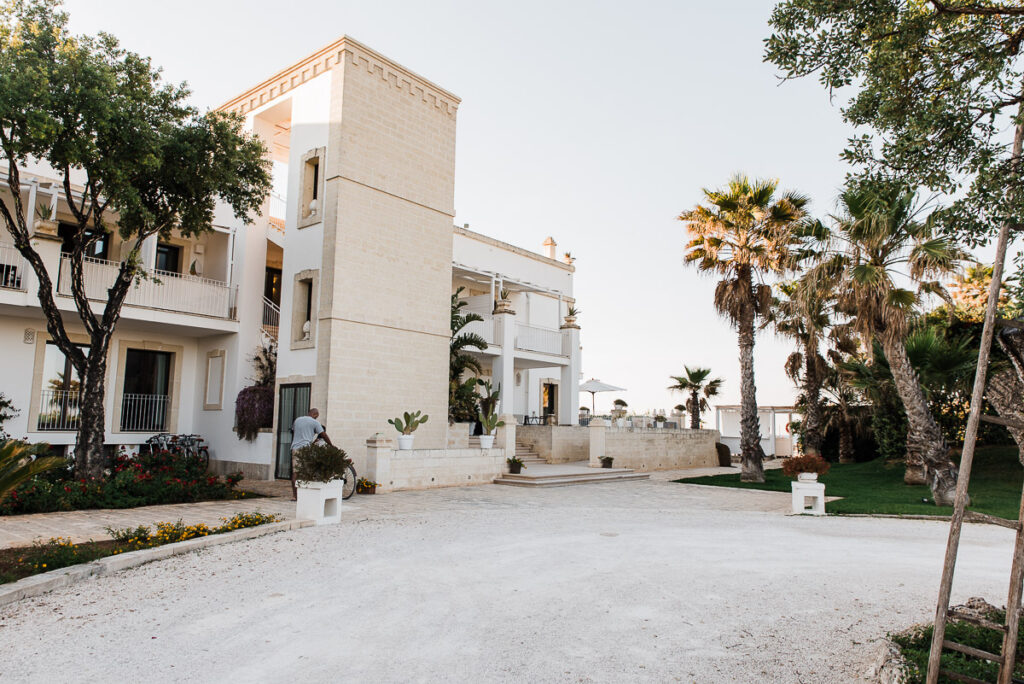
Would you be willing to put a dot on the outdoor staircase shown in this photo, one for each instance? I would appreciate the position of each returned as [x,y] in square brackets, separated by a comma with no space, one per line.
[526,454]
[565,474]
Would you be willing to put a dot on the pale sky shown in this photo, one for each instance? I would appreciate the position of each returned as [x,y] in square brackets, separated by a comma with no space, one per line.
[593,122]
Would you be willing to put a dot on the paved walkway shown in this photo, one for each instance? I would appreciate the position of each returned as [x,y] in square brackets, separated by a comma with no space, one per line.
[644,581]
[81,526]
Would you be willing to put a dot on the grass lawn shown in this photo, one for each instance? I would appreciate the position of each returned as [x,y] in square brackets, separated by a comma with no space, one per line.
[877,487]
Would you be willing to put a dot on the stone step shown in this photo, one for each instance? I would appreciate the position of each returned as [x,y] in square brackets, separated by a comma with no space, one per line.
[563,479]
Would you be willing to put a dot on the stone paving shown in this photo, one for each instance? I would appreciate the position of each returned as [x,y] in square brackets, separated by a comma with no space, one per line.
[80,526]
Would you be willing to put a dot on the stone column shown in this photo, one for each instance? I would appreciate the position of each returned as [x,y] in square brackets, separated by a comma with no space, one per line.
[597,441]
[503,367]
[506,435]
[378,461]
[569,386]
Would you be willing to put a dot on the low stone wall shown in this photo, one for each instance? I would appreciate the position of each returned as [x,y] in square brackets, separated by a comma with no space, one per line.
[254,459]
[395,469]
[653,449]
[556,443]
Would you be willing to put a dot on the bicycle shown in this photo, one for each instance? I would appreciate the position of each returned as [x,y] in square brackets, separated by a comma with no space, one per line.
[348,479]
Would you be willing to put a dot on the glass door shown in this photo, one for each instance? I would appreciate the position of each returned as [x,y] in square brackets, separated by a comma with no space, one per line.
[293,401]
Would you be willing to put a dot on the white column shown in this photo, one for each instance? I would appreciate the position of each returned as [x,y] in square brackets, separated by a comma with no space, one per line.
[503,368]
[773,434]
[569,385]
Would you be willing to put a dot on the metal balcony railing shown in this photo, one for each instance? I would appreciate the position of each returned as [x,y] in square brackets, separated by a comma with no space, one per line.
[543,340]
[271,322]
[58,410]
[144,412]
[13,268]
[161,290]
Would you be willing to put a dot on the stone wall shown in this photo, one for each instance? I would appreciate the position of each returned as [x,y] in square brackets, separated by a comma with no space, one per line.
[556,443]
[396,470]
[653,449]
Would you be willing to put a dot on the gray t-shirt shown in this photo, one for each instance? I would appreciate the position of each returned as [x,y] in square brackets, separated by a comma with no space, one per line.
[304,431]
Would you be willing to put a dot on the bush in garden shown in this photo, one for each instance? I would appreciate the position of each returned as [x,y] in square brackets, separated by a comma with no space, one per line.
[132,480]
[254,409]
[804,464]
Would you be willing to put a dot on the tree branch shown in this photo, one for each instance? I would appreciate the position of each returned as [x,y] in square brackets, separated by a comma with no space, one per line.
[977,10]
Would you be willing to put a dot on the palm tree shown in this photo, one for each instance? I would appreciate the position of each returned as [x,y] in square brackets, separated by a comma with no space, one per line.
[696,383]
[803,314]
[877,243]
[462,392]
[743,234]
[20,461]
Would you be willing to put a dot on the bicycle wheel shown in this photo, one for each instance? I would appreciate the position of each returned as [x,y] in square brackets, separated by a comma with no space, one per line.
[204,457]
[350,483]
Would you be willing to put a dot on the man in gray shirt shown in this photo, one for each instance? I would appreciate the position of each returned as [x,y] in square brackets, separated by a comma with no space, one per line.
[306,430]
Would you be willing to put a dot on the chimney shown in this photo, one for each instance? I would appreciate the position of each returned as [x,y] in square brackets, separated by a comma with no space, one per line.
[549,247]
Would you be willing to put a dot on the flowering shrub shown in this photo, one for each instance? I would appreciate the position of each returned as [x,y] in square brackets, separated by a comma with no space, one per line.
[254,409]
[132,480]
[804,464]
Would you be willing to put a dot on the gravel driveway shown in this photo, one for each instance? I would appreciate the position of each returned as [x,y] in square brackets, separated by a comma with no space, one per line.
[636,581]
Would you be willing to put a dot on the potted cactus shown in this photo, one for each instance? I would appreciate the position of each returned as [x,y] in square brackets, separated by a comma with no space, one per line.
[659,421]
[489,423]
[406,426]
[570,316]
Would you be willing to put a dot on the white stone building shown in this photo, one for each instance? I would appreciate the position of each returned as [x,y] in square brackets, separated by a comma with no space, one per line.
[350,266]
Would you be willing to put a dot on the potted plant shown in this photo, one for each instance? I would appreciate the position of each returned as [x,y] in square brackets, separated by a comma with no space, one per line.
[365,486]
[606,461]
[504,302]
[515,465]
[406,426]
[659,421]
[489,423]
[805,468]
[319,469]
[619,412]
[570,316]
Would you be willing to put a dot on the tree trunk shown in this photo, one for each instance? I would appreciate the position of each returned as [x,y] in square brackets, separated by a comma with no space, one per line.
[926,447]
[694,410]
[813,420]
[750,426]
[90,453]
[845,435]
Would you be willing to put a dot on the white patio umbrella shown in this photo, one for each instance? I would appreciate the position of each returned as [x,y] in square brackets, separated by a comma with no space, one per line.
[594,386]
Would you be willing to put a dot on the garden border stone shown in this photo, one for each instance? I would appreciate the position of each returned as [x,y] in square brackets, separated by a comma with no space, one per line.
[54,579]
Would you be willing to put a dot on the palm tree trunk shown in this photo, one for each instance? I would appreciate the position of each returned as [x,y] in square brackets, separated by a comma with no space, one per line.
[814,420]
[845,434]
[925,444]
[694,410]
[750,426]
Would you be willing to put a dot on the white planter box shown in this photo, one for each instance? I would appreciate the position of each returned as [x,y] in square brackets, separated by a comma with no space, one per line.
[405,442]
[319,501]
[486,441]
[802,491]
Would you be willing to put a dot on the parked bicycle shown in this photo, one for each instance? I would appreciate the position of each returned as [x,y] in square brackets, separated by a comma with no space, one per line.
[190,445]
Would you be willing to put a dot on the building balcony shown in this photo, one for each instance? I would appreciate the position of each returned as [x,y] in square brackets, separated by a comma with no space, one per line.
[541,340]
[60,411]
[13,269]
[160,290]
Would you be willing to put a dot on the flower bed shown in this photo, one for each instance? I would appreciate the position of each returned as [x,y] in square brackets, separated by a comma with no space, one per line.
[60,552]
[132,480]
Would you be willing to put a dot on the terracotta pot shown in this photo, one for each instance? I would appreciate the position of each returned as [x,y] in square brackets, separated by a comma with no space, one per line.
[515,468]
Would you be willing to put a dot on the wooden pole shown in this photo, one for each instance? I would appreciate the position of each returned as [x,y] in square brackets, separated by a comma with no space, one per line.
[967,456]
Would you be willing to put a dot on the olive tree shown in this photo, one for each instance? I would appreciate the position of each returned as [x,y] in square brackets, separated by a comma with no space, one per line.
[130,153]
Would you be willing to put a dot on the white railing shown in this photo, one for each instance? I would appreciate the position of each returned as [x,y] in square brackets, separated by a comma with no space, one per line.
[531,338]
[144,412]
[484,328]
[13,268]
[271,322]
[169,292]
[58,410]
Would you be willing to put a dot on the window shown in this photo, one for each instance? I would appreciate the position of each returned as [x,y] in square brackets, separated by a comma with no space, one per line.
[68,234]
[168,258]
[59,396]
[145,401]
[312,187]
[272,285]
[304,308]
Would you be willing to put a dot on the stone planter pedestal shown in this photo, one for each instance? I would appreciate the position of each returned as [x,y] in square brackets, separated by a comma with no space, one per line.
[802,491]
[319,501]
